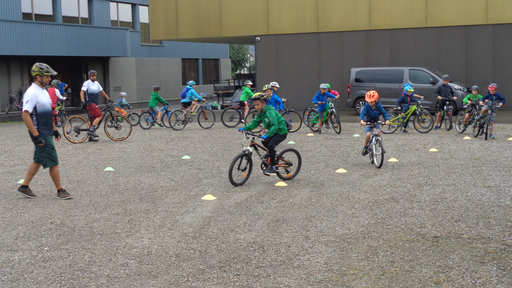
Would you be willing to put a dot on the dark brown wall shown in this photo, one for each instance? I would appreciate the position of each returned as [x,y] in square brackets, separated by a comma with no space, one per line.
[300,62]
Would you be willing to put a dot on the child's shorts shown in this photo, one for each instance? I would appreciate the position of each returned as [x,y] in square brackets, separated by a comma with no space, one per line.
[121,111]
[155,109]
[368,129]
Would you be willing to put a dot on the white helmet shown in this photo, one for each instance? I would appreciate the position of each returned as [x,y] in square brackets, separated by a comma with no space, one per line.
[323,85]
[122,94]
[274,84]
[248,82]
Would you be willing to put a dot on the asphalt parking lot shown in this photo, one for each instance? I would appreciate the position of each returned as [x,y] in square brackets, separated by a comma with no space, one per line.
[441,219]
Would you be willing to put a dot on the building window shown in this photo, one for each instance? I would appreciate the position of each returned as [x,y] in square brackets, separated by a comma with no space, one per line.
[189,70]
[121,15]
[37,10]
[75,11]
[210,71]
[145,37]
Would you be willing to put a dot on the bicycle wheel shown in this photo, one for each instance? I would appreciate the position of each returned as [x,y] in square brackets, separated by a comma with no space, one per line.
[289,163]
[305,115]
[378,154]
[294,119]
[423,122]
[335,122]
[166,119]
[240,169]
[75,129]
[117,127]
[134,118]
[394,123]
[206,118]
[250,117]
[487,124]
[63,118]
[459,122]
[313,120]
[146,120]
[448,120]
[8,108]
[231,117]
[177,119]
[476,128]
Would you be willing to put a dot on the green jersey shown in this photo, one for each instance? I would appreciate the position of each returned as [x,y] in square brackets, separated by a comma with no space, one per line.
[273,122]
[155,98]
[246,93]
[471,97]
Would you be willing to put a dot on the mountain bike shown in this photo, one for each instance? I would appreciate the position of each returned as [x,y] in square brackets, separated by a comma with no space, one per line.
[292,117]
[180,117]
[148,118]
[117,127]
[459,121]
[62,115]
[288,165]
[423,121]
[12,104]
[232,117]
[446,115]
[375,147]
[331,115]
[483,125]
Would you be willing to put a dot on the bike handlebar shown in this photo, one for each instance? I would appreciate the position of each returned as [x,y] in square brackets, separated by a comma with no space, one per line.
[373,124]
[247,133]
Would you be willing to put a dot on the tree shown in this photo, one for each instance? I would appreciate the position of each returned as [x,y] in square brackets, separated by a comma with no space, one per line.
[239,55]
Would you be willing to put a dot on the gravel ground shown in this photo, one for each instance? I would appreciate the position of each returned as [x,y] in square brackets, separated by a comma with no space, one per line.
[440,219]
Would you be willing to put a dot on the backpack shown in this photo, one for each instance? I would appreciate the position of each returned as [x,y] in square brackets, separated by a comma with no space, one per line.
[236,96]
[183,94]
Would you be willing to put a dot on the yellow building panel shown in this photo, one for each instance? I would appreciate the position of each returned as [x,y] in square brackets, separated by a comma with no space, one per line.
[456,12]
[499,11]
[244,17]
[388,14]
[292,16]
[199,18]
[162,15]
[342,15]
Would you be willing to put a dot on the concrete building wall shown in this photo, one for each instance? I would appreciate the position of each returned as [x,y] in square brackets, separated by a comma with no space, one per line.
[300,62]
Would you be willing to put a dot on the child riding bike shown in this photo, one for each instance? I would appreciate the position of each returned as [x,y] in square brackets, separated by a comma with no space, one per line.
[121,103]
[190,99]
[274,100]
[370,113]
[246,94]
[320,98]
[491,98]
[472,101]
[404,102]
[274,123]
[153,104]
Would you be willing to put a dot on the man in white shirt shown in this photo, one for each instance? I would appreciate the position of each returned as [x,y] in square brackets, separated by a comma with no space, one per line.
[89,95]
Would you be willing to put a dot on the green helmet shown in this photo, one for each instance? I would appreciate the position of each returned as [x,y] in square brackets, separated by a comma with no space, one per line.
[42,69]
[328,85]
[259,96]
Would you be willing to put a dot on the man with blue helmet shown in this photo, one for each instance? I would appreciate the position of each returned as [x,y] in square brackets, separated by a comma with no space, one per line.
[191,97]
[404,102]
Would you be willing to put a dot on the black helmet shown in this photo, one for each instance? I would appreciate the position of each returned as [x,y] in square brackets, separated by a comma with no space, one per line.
[445,77]
[92,72]
[259,96]
[474,87]
[55,83]
[156,87]
[42,69]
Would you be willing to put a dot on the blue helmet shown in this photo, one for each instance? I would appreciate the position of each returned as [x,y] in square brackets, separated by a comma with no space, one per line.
[191,83]
[408,88]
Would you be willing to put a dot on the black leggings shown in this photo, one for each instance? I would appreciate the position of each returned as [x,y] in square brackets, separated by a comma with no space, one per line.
[271,143]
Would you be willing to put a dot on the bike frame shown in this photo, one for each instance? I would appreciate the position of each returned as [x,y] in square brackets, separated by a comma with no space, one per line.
[328,111]
[254,146]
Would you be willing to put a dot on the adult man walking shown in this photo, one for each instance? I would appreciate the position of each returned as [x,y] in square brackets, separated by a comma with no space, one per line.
[89,95]
[37,115]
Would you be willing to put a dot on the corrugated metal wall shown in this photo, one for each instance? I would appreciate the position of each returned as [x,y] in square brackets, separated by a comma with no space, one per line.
[300,62]
[10,9]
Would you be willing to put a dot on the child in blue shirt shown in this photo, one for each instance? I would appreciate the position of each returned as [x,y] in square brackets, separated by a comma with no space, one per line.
[274,100]
[321,99]
[491,98]
[404,102]
[191,96]
[370,113]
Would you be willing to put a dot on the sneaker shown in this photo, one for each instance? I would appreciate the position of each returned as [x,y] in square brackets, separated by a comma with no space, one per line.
[63,194]
[242,120]
[327,126]
[319,131]
[365,151]
[435,128]
[270,171]
[193,113]
[405,131]
[93,139]
[120,119]
[91,133]
[58,125]
[159,125]
[492,136]
[27,192]
[464,127]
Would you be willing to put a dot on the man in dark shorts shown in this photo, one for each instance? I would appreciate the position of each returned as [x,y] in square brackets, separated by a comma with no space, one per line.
[37,115]
[89,95]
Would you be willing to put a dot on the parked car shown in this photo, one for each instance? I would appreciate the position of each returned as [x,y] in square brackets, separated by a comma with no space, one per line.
[389,82]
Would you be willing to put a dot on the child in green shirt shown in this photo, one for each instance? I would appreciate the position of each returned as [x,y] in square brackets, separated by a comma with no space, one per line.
[472,101]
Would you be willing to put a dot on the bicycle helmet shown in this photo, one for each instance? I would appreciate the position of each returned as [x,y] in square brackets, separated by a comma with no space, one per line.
[371,95]
[267,87]
[408,88]
[323,86]
[274,84]
[122,94]
[474,87]
[92,72]
[55,83]
[328,85]
[191,83]
[259,96]
[42,69]
[248,82]
[445,77]
[493,86]
[156,87]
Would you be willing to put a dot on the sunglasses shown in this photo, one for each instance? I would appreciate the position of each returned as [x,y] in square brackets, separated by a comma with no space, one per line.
[93,74]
